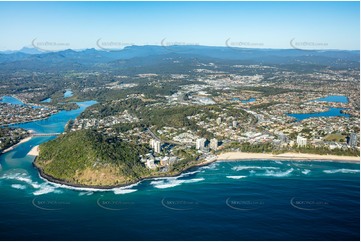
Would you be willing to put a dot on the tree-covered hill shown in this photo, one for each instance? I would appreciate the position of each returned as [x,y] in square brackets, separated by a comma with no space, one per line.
[88,157]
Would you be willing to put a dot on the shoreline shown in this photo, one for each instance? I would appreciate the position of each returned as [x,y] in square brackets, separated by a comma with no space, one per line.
[239,156]
[13,146]
[25,122]
[52,179]
[34,151]
[227,156]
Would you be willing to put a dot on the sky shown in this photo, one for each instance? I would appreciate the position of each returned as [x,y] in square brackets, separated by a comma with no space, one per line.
[107,25]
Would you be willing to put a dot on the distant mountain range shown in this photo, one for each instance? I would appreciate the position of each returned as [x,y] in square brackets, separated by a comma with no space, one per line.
[30,58]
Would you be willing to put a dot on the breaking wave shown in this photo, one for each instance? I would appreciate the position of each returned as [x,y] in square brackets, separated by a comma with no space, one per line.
[341,171]
[167,183]
[175,177]
[85,193]
[123,191]
[241,168]
[24,177]
[213,166]
[236,177]
[276,173]
[18,186]
[305,171]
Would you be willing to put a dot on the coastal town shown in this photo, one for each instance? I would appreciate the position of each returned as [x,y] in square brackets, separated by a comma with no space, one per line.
[292,121]
[9,137]
[228,117]
[20,113]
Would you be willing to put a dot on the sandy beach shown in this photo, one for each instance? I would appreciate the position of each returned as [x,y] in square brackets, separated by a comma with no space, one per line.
[34,151]
[20,142]
[233,156]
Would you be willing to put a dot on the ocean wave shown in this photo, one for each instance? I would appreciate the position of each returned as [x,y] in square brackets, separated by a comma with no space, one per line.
[175,177]
[86,193]
[241,168]
[341,171]
[305,171]
[44,190]
[278,162]
[24,177]
[167,183]
[212,166]
[18,186]
[123,191]
[89,191]
[236,177]
[276,174]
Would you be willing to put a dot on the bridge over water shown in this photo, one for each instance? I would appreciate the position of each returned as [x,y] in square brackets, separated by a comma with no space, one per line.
[45,134]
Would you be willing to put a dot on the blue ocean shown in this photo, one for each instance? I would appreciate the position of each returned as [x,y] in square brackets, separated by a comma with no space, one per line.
[245,200]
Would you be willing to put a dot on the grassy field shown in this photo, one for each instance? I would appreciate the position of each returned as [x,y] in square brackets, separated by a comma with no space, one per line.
[336,137]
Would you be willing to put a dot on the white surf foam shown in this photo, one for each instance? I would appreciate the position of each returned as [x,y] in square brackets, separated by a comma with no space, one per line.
[123,191]
[18,186]
[236,177]
[22,177]
[161,184]
[44,190]
[41,188]
[212,166]
[86,193]
[276,173]
[341,171]
[305,171]
[174,177]
[241,168]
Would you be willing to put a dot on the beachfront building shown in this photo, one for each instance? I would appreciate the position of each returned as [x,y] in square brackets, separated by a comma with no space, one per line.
[200,143]
[150,164]
[155,144]
[301,141]
[352,140]
[214,144]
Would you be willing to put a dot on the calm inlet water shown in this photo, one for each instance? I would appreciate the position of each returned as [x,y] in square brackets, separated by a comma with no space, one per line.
[247,200]
[47,100]
[249,100]
[11,100]
[237,99]
[68,93]
[335,98]
[332,112]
